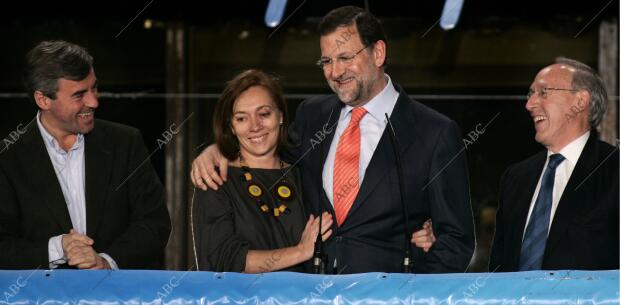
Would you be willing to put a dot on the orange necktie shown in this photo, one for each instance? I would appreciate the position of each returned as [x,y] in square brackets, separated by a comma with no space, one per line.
[346,166]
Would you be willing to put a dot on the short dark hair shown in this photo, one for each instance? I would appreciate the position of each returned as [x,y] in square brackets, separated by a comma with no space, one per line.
[367,25]
[52,60]
[585,78]
[222,116]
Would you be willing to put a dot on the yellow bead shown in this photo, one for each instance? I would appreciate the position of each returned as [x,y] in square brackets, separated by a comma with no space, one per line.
[255,190]
[284,191]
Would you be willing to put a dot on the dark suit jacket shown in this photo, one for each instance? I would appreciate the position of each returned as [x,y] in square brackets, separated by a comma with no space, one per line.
[131,223]
[435,183]
[584,232]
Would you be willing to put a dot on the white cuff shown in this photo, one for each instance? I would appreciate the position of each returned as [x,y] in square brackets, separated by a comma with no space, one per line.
[55,253]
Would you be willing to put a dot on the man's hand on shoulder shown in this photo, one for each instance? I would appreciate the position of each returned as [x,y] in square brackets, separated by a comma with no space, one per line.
[203,172]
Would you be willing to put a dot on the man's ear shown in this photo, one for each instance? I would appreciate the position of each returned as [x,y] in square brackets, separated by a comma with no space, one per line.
[379,53]
[44,102]
[583,99]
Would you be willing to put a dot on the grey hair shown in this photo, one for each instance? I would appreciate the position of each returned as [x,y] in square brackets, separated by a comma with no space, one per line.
[52,60]
[585,78]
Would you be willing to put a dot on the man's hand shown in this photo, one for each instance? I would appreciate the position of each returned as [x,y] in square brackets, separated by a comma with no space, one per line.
[203,169]
[102,263]
[86,258]
[73,239]
[424,238]
[80,253]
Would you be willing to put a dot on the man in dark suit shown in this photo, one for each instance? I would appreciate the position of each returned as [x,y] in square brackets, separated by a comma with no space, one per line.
[349,166]
[559,208]
[76,195]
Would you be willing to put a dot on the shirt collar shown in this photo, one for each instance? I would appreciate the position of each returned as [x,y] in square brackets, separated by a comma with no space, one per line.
[573,150]
[51,142]
[382,103]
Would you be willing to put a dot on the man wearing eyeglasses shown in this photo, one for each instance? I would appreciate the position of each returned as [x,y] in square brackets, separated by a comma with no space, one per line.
[559,208]
[348,165]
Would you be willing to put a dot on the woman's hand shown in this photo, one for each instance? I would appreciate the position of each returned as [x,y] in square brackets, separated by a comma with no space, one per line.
[308,237]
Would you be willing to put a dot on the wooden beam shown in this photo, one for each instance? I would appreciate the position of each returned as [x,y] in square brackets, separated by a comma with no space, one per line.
[608,69]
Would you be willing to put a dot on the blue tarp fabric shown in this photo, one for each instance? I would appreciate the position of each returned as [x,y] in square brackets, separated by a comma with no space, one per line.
[284,288]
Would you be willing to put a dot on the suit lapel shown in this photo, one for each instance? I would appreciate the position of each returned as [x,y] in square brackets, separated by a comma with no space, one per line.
[331,111]
[383,159]
[97,170]
[37,162]
[571,199]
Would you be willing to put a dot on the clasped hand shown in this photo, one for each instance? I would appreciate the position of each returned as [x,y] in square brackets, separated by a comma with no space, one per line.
[78,249]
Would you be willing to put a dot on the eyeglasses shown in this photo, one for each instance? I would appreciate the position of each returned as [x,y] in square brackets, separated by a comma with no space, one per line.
[544,91]
[343,59]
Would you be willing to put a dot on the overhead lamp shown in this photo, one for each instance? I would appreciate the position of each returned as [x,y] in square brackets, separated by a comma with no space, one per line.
[450,14]
[275,12]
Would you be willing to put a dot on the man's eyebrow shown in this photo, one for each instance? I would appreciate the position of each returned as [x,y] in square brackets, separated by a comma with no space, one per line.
[79,92]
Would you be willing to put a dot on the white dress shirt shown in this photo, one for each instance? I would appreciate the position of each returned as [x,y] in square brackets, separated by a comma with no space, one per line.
[571,153]
[70,171]
[372,126]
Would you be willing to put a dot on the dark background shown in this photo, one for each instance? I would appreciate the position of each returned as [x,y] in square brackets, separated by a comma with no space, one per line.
[496,49]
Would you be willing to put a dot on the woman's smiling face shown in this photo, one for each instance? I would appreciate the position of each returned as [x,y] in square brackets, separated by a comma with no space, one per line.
[256,122]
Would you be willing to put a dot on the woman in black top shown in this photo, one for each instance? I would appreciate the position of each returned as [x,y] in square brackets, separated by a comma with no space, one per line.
[256,221]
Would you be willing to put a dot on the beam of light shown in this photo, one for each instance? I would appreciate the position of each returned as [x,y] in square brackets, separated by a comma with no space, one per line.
[450,14]
[275,11]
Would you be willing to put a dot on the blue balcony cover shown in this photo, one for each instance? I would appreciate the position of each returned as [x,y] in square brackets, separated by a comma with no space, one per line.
[284,288]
